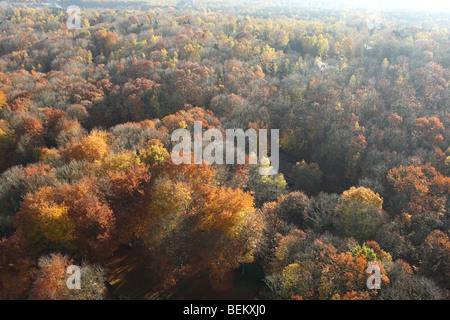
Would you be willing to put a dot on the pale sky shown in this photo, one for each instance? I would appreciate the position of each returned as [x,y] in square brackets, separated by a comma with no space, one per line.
[434,5]
[420,5]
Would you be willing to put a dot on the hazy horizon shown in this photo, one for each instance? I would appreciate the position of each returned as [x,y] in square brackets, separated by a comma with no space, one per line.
[376,5]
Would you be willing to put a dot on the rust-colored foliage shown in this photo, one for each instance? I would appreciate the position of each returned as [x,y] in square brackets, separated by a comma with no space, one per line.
[30,126]
[425,188]
[436,257]
[49,283]
[430,130]
[16,267]
[128,192]
[105,41]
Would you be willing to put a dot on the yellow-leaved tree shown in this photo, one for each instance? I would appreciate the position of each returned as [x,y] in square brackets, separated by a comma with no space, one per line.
[360,213]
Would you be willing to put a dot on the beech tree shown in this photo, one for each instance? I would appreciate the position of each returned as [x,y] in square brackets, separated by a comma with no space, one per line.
[52,277]
[16,266]
[360,213]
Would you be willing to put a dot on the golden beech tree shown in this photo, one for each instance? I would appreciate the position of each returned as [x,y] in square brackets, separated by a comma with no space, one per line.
[169,209]
[7,141]
[198,228]
[154,154]
[360,195]
[193,174]
[167,228]
[45,223]
[3,100]
[227,231]
[117,162]
[68,217]
[90,148]
[360,213]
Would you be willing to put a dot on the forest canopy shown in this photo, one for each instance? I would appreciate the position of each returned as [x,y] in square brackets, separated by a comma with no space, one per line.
[86,117]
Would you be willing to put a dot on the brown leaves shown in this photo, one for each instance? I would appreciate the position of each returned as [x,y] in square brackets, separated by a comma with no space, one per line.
[430,130]
[31,126]
[16,267]
[424,187]
[105,41]
[49,283]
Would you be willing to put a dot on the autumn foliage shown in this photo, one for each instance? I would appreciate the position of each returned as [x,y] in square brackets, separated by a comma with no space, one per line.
[86,175]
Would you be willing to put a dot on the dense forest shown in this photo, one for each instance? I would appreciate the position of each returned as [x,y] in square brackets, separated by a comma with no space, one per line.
[86,117]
